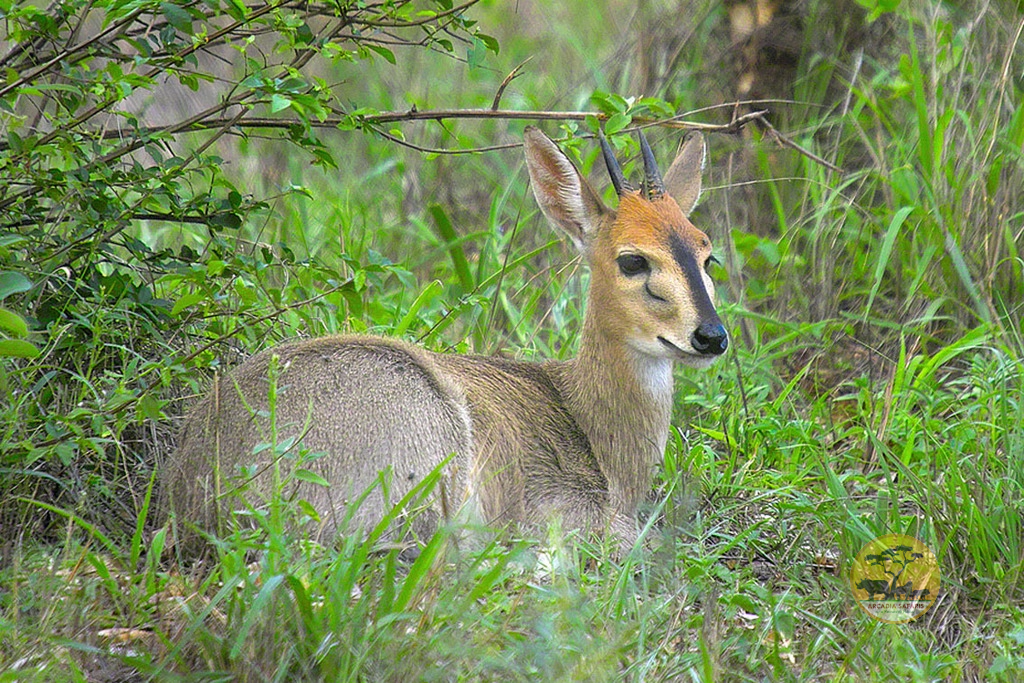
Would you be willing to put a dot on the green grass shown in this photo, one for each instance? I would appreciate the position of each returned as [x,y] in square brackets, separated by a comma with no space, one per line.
[874,385]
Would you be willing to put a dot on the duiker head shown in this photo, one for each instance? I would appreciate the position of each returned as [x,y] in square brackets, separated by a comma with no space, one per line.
[649,285]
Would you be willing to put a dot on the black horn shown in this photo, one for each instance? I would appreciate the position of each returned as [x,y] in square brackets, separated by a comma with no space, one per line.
[614,170]
[654,186]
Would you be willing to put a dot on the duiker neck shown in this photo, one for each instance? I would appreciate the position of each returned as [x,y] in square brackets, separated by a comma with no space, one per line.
[622,400]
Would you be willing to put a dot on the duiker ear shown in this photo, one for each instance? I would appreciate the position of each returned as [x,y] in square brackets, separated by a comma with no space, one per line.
[563,195]
[682,181]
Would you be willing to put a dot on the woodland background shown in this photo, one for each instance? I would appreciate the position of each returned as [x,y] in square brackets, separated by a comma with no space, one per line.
[184,183]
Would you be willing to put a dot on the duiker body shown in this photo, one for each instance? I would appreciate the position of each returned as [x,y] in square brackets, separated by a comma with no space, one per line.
[577,439]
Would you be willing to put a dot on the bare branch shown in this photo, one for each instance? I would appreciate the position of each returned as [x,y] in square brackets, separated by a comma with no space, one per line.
[418,22]
[512,75]
[786,142]
[201,122]
[439,150]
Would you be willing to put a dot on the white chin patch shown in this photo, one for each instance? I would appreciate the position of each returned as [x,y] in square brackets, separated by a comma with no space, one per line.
[699,362]
[686,356]
[656,375]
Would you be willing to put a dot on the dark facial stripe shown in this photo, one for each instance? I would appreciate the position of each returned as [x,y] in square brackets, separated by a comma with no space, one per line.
[687,261]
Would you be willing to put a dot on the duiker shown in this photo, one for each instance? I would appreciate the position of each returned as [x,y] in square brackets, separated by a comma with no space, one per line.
[525,442]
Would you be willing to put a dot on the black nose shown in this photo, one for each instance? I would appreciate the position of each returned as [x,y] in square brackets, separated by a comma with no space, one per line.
[710,339]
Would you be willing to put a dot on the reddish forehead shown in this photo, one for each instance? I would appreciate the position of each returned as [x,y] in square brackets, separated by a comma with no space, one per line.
[645,223]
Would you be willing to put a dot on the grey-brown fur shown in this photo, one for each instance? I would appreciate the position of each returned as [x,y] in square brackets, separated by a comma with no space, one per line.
[578,440]
[340,395]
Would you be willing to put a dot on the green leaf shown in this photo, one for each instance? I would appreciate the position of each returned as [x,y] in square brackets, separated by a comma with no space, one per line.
[187,301]
[383,52]
[304,34]
[237,9]
[718,436]
[13,283]
[13,323]
[976,339]
[489,41]
[323,158]
[308,510]
[769,248]
[311,477]
[475,54]
[745,603]
[609,103]
[254,81]
[657,106]
[784,622]
[177,17]
[150,407]
[279,102]
[1000,665]
[11,240]
[226,219]
[878,7]
[293,85]
[302,599]
[617,122]
[17,348]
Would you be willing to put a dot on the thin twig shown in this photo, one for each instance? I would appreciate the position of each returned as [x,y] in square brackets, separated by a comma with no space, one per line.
[786,142]
[419,22]
[512,75]
[440,150]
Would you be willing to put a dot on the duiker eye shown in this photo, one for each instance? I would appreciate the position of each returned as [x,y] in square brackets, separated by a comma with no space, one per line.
[633,264]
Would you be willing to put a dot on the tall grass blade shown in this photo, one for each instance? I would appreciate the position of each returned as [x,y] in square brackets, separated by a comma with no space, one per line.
[255,611]
[924,128]
[885,253]
[973,340]
[448,235]
[964,273]
[140,524]
[90,529]
[432,290]
[417,577]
